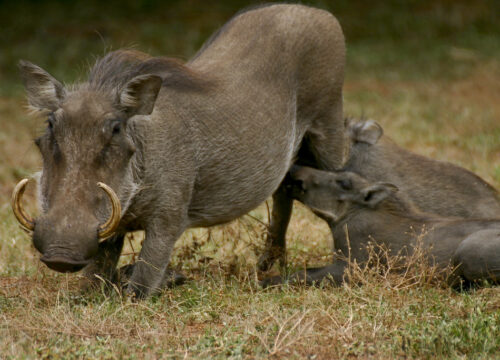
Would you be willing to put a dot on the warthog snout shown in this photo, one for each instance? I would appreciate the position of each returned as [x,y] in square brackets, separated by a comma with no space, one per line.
[66,236]
[67,242]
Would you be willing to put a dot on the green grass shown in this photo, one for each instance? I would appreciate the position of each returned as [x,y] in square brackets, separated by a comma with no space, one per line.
[426,70]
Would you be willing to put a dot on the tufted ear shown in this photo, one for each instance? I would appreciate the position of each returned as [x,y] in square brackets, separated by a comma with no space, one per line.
[365,131]
[139,95]
[372,195]
[43,91]
[301,176]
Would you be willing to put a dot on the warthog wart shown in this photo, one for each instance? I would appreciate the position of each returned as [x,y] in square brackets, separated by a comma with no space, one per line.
[433,186]
[377,212]
[183,145]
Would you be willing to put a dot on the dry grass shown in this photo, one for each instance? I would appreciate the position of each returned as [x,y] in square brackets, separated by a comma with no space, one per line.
[219,315]
[432,97]
[221,312]
[398,271]
[387,310]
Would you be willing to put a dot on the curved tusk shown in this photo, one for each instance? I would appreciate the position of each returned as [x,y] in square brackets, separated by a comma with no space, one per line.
[108,228]
[24,219]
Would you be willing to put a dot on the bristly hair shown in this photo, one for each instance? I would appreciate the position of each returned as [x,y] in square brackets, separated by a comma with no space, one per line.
[228,24]
[115,69]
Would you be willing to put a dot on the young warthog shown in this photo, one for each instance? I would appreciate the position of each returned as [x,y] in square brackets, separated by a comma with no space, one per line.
[377,212]
[433,186]
[177,145]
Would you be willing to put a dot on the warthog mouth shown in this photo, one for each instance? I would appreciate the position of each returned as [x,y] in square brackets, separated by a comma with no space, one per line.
[63,264]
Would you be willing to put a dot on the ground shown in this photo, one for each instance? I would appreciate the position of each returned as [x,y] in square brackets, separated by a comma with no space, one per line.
[428,71]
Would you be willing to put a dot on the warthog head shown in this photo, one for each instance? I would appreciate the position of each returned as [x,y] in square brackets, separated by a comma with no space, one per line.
[88,144]
[334,194]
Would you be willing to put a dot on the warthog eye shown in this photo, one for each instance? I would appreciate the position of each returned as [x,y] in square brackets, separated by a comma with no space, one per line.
[116,128]
[345,184]
[38,141]
[368,196]
[50,121]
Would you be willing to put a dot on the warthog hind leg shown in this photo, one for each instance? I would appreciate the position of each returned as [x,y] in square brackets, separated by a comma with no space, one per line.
[276,242]
[478,257]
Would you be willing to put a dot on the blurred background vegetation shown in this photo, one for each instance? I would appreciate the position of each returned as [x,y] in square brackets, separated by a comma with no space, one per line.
[392,38]
[428,70]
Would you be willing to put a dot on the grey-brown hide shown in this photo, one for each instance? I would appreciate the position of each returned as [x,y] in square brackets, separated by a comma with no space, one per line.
[218,141]
[433,186]
[85,141]
[377,212]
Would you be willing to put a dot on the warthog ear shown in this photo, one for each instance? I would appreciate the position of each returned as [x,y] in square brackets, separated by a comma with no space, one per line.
[44,92]
[372,195]
[365,131]
[139,94]
[300,176]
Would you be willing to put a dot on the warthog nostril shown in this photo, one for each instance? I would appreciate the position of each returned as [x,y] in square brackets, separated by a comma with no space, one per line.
[63,264]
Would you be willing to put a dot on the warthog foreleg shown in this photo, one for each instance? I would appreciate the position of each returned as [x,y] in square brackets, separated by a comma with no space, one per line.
[151,266]
[170,279]
[276,241]
[103,265]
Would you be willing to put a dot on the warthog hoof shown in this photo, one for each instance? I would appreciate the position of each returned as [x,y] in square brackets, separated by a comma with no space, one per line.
[170,279]
[271,281]
[269,257]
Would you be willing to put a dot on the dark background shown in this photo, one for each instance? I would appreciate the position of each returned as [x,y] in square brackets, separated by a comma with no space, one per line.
[384,38]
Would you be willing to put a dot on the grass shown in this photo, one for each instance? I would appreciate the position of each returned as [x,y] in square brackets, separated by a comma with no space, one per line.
[428,71]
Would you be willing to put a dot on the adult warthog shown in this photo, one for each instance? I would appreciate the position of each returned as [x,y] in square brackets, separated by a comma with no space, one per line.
[177,145]
[377,212]
[437,187]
